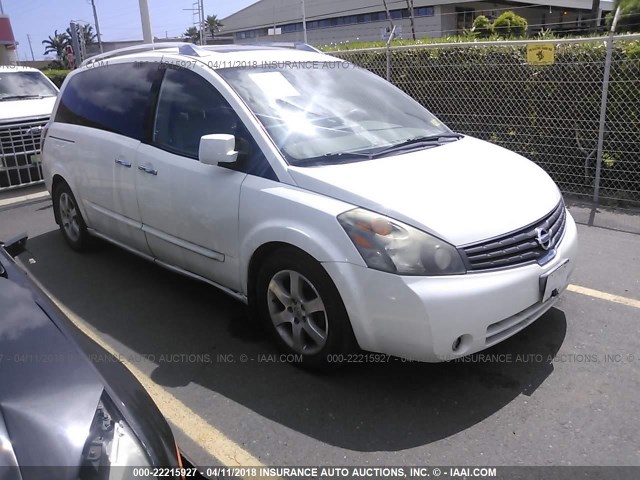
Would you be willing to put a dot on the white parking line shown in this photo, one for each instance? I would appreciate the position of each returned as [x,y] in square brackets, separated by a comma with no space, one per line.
[210,439]
[630,302]
[23,198]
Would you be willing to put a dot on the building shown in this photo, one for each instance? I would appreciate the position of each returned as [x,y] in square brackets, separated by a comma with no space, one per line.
[331,21]
[7,42]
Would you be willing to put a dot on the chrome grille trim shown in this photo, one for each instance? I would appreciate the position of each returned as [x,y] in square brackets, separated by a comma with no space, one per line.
[519,247]
[17,146]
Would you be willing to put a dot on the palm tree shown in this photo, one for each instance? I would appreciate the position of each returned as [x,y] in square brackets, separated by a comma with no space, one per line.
[84,32]
[57,44]
[192,35]
[213,24]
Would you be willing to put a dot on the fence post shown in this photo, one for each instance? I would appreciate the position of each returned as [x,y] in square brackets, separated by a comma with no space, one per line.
[603,107]
[391,35]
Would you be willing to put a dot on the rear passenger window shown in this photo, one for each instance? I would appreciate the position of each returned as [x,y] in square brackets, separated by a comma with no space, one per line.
[112,98]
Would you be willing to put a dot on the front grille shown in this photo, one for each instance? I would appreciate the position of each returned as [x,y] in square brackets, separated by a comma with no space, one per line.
[18,147]
[519,247]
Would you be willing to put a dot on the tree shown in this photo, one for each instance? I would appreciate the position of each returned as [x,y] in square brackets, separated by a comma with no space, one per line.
[56,44]
[629,18]
[482,26]
[84,32]
[510,25]
[213,24]
[192,35]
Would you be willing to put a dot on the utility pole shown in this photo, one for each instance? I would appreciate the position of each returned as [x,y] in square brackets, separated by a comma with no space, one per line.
[146,21]
[201,12]
[1,8]
[304,23]
[95,19]
[29,39]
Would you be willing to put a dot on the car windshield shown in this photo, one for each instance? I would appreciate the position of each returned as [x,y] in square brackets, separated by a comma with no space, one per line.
[25,85]
[333,112]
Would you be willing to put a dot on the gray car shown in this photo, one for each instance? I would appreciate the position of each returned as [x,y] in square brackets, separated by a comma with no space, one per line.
[68,409]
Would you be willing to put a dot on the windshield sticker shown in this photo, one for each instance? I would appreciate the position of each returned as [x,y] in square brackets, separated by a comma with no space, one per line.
[274,84]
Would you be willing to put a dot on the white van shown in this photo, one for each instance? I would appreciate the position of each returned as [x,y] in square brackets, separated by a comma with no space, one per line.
[339,208]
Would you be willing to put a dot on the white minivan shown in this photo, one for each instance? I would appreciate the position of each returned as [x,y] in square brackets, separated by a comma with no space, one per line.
[343,212]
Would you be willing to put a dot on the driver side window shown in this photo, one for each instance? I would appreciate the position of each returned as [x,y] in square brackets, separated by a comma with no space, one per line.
[188,108]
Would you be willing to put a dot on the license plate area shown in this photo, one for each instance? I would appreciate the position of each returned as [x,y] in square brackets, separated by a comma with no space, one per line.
[555,281]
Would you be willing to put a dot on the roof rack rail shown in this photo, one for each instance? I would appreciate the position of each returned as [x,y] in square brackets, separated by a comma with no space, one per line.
[138,49]
[293,45]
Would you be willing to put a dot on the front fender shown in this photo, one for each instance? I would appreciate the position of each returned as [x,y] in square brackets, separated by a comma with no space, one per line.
[275,212]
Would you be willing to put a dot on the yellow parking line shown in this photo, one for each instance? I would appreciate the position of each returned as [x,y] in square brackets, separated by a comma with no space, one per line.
[630,302]
[212,440]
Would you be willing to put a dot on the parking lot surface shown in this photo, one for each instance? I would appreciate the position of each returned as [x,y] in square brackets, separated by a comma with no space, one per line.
[561,392]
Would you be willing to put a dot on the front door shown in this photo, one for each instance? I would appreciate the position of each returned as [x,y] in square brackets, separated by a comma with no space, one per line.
[189,210]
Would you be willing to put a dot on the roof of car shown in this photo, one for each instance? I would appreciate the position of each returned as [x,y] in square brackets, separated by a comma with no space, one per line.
[225,55]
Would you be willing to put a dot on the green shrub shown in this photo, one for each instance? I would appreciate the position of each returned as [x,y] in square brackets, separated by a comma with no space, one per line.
[510,24]
[56,76]
[482,25]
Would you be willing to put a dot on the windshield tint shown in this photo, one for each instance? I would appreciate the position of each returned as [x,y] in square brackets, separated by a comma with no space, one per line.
[25,84]
[331,113]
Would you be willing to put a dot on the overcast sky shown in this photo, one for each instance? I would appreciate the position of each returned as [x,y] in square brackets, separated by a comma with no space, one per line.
[119,19]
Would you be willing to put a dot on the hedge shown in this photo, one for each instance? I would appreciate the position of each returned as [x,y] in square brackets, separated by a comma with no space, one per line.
[56,76]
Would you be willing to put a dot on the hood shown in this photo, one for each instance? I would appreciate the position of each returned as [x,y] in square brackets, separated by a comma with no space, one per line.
[463,192]
[49,391]
[23,109]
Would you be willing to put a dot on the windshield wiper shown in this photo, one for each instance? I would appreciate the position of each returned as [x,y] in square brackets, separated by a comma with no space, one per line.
[417,142]
[19,97]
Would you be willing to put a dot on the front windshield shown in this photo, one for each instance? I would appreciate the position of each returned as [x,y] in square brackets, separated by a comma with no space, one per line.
[17,85]
[331,113]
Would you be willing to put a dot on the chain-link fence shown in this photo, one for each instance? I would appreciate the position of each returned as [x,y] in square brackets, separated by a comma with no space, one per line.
[586,136]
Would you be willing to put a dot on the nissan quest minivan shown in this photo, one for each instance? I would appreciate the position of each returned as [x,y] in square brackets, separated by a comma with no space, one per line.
[344,213]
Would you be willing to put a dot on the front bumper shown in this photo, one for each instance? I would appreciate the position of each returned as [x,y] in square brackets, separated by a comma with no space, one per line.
[420,318]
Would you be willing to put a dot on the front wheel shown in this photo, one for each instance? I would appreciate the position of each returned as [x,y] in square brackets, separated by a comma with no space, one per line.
[302,308]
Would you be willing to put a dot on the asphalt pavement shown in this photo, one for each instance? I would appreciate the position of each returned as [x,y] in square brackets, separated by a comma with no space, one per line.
[562,392]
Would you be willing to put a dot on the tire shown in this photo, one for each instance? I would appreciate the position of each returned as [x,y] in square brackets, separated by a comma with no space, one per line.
[298,303]
[67,213]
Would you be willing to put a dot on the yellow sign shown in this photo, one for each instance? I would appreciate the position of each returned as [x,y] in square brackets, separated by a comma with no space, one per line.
[540,54]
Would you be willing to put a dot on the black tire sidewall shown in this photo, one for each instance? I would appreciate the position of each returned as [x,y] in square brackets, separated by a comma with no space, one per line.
[340,338]
[83,239]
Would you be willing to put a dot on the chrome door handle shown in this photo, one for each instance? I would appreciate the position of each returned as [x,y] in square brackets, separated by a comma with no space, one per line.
[124,163]
[150,170]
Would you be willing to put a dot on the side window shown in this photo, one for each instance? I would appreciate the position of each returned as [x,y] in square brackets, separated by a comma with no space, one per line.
[190,107]
[112,98]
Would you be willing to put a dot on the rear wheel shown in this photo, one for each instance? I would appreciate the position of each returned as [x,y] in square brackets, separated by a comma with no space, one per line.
[72,225]
[300,305]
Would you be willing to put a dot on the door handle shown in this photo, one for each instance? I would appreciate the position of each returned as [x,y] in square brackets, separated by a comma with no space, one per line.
[124,163]
[150,170]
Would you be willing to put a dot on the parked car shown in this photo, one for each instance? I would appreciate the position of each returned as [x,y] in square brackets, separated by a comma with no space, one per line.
[27,97]
[68,409]
[340,209]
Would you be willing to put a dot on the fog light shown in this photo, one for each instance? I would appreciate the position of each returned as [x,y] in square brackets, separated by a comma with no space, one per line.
[456,344]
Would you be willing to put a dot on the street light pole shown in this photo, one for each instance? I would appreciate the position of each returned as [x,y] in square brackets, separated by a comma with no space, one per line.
[30,48]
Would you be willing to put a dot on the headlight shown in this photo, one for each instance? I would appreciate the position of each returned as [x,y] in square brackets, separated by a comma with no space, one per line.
[111,443]
[391,246]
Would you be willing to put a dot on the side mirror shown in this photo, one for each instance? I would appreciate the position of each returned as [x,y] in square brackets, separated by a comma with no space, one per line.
[217,148]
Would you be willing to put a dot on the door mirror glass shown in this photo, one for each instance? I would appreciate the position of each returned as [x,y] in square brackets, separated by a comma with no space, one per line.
[217,148]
